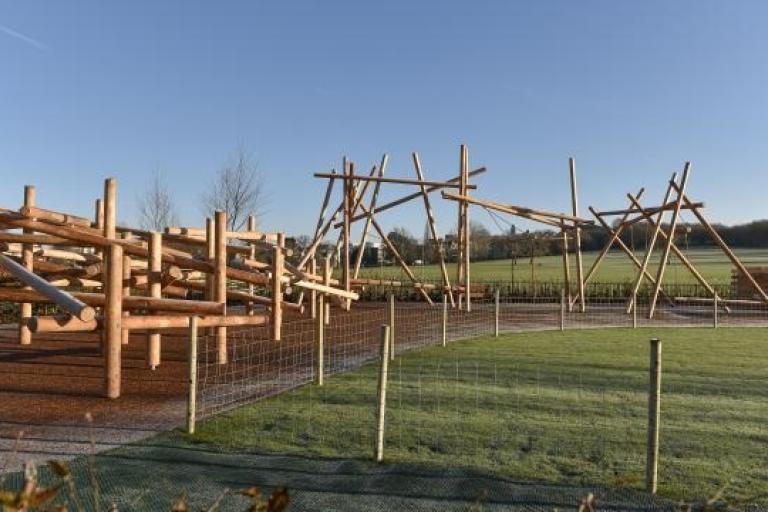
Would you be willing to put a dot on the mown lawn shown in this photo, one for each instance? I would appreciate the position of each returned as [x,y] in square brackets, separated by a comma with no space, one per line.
[617,267]
[559,407]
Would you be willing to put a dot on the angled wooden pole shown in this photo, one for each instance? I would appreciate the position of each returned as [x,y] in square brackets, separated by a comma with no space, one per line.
[27,259]
[577,236]
[433,229]
[606,248]
[367,226]
[348,201]
[382,394]
[670,239]
[651,245]
[220,279]
[680,255]
[727,250]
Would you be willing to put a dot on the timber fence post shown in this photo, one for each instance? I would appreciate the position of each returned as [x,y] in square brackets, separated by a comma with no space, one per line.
[192,396]
[382,393]
[654,418]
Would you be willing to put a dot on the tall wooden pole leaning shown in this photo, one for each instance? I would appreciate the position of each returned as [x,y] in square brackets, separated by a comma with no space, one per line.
[278,262]
[654,418]
[670,239]
[27,259]
[577,235]
[220,278]
[113,309]
[154,290]
[126,235]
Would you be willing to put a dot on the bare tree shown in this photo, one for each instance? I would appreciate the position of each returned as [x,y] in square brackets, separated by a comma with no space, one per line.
[237,189]
[156,209]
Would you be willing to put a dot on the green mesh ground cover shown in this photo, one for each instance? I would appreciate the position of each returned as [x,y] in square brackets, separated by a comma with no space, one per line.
[148,476]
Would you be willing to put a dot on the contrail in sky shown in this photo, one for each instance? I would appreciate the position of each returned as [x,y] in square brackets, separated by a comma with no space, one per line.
[34,42]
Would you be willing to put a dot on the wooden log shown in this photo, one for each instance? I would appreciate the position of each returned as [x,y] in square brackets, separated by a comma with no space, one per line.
[367,225]
[114,296]
[319,339]
[59,297]
[327,282]
[566,264]
[65,323]
[31,238]
[220,278]
[52,216]
[351,177]
[27,260]
[192,371]
[345,233]
[382,393]
[126,235]
[542,216]
[432,228]
[60,254]
[654,418]
[155,291]
[61,323]
[670,240]
[277,289]
[251,257]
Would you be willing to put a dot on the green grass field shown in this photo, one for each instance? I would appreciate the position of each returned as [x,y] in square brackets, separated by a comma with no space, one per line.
[555,407]
[617,267]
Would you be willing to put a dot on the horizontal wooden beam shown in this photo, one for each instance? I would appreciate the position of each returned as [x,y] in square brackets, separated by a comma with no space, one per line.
[397,181]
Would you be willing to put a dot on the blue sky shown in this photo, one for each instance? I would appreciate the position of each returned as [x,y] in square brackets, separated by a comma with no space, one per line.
[630,89]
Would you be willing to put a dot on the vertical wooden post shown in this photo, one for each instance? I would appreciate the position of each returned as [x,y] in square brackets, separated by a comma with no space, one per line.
[278,261]
[467,240]
[27,259]
[496,313]
[99,225]
[113,309]
[126,235]
[210,256]
[715,303]
[654,417]
[445,319]
[392,325]
[348,205]
[562,309]
[634,311]
[382,394]
[319,339]
[192,391]
[154,273]
[220,278]
[577,229]
[327,282]
[252,254]
[312,293]
[566,265]
[460,231]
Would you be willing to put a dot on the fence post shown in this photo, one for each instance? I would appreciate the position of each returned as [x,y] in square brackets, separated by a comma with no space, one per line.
[382,393]
[496,313]
[562,309]
[192,397]
[392,326]
[319,338]
[714,313]
[634,310]
[445,319]
[654,418]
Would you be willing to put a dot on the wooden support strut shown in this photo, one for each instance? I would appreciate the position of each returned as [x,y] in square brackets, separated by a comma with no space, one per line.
[277,288]
[154,291]
[579,260]
[433,230]
[114,295]
[220,279]
[367,226]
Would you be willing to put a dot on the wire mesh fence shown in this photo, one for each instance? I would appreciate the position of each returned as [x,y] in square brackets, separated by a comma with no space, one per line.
[493,408]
